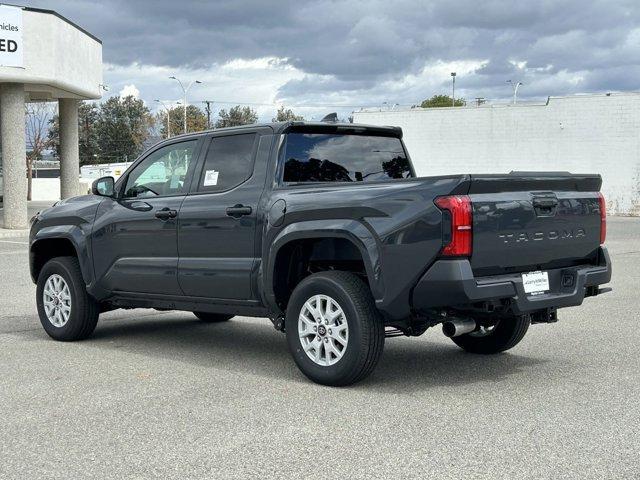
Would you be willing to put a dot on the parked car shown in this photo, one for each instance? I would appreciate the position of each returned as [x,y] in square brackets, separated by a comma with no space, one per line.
[325,229]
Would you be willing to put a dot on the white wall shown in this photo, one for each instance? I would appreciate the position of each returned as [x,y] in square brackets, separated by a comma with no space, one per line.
[45,189]
[115,170]
[48,189]
[580,134]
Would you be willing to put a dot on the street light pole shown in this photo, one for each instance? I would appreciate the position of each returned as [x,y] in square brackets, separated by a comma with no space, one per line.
[453,89]
[185,90]
[168,113]
[515,89]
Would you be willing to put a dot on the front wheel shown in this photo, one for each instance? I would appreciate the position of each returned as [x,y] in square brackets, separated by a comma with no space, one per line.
[65,309]
[506,334]
[334,331]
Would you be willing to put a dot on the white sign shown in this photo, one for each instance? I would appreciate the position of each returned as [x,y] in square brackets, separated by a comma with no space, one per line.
[11,44]
[535,282]
[210,178]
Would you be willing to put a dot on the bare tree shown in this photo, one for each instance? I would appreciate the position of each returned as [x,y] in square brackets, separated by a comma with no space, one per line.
[38,115]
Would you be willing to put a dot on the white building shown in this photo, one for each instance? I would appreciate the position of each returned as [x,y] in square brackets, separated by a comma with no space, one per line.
[43,57]
[579,134]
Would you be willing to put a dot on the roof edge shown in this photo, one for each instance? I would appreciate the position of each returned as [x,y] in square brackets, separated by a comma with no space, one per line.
[56,14]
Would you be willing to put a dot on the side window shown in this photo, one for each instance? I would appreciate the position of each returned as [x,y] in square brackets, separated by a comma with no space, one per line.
[161,173]
[229,162]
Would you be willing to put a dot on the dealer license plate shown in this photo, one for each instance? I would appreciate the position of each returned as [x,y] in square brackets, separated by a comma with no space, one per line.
[535,282]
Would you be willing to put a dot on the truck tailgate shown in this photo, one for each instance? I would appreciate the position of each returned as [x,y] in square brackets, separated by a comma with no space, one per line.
[533,221]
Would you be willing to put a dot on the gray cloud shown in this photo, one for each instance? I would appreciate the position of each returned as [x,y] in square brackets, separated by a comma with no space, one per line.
[352,48]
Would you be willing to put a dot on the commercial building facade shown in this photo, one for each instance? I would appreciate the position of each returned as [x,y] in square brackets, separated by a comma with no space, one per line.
[43,57]
[580,134]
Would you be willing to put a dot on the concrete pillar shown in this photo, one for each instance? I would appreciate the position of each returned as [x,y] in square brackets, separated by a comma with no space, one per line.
[14,154]
[69,152]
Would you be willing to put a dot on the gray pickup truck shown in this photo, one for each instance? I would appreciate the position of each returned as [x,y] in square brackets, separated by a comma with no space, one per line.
[325,229]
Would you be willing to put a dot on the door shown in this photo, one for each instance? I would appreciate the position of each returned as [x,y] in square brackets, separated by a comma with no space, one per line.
[135,236]
[217,227]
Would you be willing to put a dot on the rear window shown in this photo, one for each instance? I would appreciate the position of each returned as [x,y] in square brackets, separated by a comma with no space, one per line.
[316,157]
[229,162]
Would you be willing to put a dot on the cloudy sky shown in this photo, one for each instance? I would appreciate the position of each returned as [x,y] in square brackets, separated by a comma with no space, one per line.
[312,55]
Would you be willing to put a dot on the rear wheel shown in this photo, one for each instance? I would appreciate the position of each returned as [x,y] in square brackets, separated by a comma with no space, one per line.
[334,331]
[212,317]
[506,334]
[65,309]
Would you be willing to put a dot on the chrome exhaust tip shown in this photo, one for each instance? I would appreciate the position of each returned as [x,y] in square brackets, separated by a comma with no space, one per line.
[458,326]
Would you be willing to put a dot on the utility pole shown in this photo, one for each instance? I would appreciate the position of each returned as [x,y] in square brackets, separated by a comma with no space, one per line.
[208,110]
[453,89]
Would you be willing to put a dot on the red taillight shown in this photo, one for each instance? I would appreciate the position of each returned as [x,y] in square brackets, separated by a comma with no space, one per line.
[603,218]
[459,206]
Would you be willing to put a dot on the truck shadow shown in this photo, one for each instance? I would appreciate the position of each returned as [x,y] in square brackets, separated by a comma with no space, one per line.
[410,364]
[254,347]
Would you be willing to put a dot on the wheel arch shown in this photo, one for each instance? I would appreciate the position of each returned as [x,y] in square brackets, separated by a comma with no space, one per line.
[57,242]
[356,242]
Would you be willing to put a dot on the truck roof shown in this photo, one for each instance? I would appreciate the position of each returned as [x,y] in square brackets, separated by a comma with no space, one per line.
[284,127]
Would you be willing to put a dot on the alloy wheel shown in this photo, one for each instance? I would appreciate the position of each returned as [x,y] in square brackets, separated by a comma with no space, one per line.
[323,330]
[56,298]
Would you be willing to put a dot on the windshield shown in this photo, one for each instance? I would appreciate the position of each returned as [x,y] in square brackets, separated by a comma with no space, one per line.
[316,157]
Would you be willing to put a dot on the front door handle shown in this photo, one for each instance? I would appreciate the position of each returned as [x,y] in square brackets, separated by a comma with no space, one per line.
[166,213]
[140,206]
[238,211]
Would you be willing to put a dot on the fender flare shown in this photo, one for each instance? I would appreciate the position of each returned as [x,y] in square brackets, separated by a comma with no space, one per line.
[77,238]
[352,230]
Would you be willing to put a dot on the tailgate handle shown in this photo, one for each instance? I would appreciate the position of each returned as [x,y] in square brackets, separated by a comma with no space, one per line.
[545,205]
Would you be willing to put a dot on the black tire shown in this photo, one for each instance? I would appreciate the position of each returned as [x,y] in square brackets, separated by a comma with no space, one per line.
[506,334]
[365,328]
[212,317]
[84,311]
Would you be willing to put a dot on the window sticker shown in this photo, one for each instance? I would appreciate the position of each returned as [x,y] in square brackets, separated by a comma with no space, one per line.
[210,178]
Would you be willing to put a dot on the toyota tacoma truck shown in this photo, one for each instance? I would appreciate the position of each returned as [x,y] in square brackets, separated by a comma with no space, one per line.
[325,229]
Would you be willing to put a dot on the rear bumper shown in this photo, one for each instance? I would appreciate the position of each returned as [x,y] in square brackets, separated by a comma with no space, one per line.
[451,283]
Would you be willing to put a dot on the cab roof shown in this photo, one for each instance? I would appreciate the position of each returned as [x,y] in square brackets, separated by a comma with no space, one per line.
[320,127]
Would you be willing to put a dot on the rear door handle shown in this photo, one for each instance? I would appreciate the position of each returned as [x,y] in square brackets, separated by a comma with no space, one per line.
[166,213]
[238,211]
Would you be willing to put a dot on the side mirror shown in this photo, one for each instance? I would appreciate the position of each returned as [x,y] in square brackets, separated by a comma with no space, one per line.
[104,187]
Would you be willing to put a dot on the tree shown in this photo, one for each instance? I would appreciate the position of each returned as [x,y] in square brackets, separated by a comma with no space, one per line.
[196,120]
[88,114]
[37,118]
[111,131]
[123,126]
[236,116]
[442,101]
[286,115]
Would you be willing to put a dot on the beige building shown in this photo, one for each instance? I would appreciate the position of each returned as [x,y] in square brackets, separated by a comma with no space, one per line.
[598,133]
[43,57]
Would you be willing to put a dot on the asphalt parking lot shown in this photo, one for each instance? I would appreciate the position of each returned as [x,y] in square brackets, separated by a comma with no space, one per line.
[162,395]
